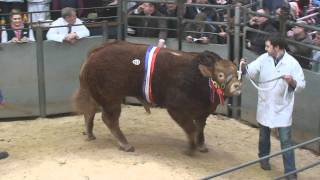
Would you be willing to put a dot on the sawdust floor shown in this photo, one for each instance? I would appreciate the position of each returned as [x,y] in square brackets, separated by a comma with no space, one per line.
[55,149]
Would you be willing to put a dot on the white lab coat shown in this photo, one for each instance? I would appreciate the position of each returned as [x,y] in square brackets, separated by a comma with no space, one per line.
[58,34]
[275,106]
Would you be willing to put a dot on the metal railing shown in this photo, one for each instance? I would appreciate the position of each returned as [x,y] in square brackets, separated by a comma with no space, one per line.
[241,166]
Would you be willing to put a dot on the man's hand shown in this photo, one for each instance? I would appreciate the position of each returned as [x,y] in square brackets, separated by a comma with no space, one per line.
[161,43]
[71,38]
[189,39]
[289,79]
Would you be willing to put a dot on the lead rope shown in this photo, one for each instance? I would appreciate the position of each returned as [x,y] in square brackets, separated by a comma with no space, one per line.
[262,82]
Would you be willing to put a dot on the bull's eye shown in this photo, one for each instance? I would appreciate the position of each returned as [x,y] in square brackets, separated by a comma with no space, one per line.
[221,76]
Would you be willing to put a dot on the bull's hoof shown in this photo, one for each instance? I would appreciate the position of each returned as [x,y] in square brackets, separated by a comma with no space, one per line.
[203,148]
[90,138]
[190,152]
[127,148]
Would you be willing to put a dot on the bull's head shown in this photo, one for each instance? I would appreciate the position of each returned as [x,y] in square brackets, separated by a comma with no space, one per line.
[222,72]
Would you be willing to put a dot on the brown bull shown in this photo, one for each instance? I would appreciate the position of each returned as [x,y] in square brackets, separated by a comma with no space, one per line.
[180,84]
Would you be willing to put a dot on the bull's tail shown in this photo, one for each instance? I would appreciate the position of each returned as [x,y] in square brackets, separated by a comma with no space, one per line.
[83,103]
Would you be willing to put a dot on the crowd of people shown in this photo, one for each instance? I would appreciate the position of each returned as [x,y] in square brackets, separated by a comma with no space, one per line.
[17,25]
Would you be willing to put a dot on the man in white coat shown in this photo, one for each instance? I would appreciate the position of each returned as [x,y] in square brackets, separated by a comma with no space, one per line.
[73,30]
[280,76]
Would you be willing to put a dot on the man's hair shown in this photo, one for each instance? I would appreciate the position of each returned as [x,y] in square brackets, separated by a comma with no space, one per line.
[277,41]
[67,11]
[15,12]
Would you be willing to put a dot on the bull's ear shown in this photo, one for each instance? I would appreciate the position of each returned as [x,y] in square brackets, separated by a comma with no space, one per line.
[205,70]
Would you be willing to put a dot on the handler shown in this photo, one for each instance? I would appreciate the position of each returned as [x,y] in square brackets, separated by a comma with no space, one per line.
[279,76]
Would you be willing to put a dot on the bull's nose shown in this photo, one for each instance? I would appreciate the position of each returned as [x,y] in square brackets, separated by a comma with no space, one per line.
[236,85]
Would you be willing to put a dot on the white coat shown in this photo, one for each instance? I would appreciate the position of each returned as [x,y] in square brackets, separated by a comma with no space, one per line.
[58,34]
[275,106]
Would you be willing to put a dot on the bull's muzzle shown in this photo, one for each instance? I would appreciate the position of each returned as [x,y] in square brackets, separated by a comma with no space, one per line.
[235,88]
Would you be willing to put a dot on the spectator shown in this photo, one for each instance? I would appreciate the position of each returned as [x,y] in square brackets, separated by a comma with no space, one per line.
[148,9]
[273,5]
[316,53]
[38,5]
[300,52]
[70,33]
[6,7]
[170,10]
[255,41]
[17,31]
[60,4]
[201,14]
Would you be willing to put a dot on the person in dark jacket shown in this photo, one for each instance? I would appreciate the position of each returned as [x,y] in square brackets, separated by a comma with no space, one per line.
[255,41]
[148,9]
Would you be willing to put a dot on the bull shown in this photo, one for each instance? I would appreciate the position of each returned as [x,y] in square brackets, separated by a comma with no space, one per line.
[189,85]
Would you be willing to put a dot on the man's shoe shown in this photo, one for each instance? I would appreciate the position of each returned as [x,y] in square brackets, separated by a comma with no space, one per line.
[3,154]
[292,177]
[265,165]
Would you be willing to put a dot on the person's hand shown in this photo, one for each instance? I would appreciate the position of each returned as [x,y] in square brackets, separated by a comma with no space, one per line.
[141,7]
[289,79]
[222,34]
[204,40]
[14,40]
[74,35]
[189,39]
[290,33]
[161,43]
[70,38]
[24,39]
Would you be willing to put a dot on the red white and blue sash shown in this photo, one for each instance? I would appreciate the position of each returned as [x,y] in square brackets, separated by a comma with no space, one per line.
[149,63]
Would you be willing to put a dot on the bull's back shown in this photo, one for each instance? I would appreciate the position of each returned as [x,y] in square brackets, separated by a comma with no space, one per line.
[117,68]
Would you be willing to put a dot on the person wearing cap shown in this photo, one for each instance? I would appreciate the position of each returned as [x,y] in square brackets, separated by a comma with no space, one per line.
[148,9]
[255,41]
[302,53]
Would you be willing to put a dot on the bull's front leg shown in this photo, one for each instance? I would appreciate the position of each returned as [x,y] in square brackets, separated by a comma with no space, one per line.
[200,139]
[187,124]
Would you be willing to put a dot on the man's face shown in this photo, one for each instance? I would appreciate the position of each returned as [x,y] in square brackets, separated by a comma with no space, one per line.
[317,39]
[148,8]
[71,19]
[171,6]
[16,20]
[270,49]
[297,30]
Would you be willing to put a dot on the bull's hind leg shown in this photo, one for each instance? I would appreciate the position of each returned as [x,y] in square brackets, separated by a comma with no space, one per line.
[110,117]
[187,124]
[200,124]
[88,120]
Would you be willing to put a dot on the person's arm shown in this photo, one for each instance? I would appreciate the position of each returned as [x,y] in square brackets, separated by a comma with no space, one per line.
[298,82]
[254,67]
[81,31]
